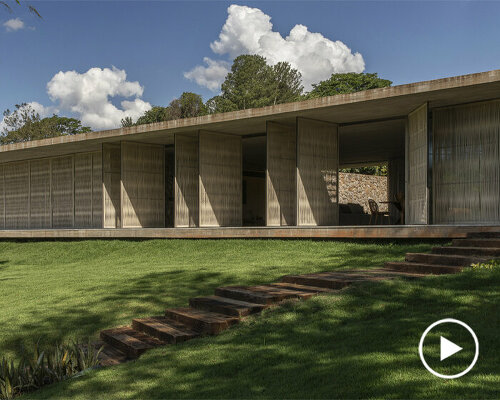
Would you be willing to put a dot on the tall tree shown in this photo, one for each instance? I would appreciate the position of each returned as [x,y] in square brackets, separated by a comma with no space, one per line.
[347,83]
[253,83]
[24,124]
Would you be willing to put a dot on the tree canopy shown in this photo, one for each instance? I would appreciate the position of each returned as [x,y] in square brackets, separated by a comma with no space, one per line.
[347,83]
[253,83]
[186,106]
[7,5]
[24,124]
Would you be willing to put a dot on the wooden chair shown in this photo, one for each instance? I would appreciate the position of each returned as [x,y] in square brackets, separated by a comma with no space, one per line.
[376,212]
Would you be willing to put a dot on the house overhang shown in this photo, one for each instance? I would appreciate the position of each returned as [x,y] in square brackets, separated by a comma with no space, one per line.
[371,106]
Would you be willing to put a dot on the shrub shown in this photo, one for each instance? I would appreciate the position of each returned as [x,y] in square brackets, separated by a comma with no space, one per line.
[45,367]
[492,264]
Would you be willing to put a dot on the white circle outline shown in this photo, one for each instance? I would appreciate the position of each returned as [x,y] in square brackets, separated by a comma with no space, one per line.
[421,345]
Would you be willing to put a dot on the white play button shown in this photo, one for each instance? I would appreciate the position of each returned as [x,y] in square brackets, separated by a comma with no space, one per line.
[448,348]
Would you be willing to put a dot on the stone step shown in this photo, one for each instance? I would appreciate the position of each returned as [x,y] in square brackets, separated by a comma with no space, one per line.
[317,280]
[476,242]
[243,293]
[225,305]
[129,341]
[484,235]
[204,322]
[302,288]
[443,259]
[486,252]
[165,329]
[430,269]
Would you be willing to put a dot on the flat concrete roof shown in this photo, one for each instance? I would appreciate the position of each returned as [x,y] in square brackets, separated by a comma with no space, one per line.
[360,107]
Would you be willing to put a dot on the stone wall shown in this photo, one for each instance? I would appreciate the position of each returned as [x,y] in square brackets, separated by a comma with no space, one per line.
[357,189]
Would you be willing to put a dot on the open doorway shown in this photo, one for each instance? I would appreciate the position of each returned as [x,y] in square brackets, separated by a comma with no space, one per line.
[371,172]
[254,180]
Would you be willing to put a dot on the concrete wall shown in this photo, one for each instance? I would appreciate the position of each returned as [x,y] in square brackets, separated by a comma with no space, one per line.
[142,185]
[281,175]
[57,192]
[220,179]
[317,173]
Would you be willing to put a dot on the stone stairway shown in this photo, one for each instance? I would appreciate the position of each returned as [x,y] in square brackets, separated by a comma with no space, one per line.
[211,315]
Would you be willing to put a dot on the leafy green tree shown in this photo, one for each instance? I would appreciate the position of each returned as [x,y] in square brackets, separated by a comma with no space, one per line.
[155,114]
[186,106]
[347,83]
[253,83]
[24,124]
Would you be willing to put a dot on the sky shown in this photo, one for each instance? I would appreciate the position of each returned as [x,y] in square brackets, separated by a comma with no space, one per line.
[101,61]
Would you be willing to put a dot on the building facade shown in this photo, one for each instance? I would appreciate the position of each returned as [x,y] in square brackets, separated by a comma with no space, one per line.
[276,166]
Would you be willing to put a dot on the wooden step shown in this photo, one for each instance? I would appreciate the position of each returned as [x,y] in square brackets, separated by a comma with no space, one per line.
[317,280]
[476,242]
[484,235]
[431,269]
[281,292]
[302,288]
[201,321]
[227,306]
[443,259]
[487,252]
[109,355]
[242,293]
[129,341]
[167,330]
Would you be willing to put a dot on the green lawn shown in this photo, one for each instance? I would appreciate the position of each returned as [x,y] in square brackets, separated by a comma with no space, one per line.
[360,342]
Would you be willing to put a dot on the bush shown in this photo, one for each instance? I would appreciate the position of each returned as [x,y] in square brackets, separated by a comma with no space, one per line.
[45,367]
[492,264]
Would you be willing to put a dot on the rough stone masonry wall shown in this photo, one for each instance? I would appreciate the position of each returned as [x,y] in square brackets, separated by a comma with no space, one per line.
[357,188]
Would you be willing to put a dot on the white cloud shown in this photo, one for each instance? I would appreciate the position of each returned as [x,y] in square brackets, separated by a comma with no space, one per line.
[210,76]
[249,31]
[88,95]
[13,24]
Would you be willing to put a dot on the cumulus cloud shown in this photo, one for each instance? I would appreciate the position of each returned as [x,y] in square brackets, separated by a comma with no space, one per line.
[210,76]
[13,24]
[88,95]
[250,31]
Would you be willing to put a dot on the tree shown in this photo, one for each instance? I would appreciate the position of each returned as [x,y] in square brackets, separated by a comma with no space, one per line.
[24,124]
[186,106]
[379,170]
[253,83]
[18,2]
[347,83]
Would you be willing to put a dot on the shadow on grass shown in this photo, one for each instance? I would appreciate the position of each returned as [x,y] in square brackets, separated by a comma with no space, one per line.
[359,343]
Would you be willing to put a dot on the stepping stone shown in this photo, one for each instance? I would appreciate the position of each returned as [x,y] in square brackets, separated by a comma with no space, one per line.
[430,269]
[477,242]
[201,321]
[225,305]
[443,259]
[128,341]
[317,280]
[243,293]
[165,329]
[486,252]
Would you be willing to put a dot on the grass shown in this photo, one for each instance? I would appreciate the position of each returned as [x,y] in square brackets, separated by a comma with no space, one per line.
[359,343]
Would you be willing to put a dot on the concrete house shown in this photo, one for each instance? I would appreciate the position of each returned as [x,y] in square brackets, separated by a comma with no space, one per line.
[273,168]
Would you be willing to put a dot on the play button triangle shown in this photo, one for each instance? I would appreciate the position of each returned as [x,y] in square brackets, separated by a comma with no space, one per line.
[448,348]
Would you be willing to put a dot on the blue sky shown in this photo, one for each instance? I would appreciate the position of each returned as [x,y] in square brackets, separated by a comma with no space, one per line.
[155,43]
